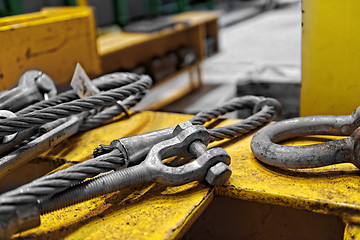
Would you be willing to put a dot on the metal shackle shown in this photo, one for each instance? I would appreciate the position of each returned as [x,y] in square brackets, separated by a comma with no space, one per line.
[189,140]
[265,148]
[210,164]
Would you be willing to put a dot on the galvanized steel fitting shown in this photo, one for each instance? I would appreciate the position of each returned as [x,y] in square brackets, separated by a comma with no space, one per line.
[210,165]
[265,148]
[33,86]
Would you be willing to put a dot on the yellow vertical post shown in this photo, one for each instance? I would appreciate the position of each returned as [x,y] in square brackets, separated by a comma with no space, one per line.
[330,57]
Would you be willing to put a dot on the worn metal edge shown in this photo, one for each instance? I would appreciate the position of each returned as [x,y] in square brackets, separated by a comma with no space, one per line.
[179,232]
[344,211]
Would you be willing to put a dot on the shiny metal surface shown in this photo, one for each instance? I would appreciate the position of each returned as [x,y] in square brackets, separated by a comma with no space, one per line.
[152,169]
[32,87]
[266,148]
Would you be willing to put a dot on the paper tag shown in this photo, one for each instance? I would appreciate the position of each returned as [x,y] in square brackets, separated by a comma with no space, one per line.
[82,84]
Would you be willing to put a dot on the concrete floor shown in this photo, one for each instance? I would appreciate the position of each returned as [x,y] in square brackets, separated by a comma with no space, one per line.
[267,45]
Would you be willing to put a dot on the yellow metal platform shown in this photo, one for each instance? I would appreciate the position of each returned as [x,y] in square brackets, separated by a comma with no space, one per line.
[329,195]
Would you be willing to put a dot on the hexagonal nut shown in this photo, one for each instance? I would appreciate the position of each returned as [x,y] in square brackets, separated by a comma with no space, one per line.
[218,174]
[181,127]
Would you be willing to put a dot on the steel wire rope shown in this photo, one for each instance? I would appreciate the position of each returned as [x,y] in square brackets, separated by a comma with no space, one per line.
[57,182]
[105,82]
[135,85]
[266,114]
[111,112]
[44,187]
[99,118]
[39,117]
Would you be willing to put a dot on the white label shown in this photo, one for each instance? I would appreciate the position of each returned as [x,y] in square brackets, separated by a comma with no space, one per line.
[82,84]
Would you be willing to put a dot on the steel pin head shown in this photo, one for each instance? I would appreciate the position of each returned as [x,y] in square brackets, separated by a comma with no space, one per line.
[46,85]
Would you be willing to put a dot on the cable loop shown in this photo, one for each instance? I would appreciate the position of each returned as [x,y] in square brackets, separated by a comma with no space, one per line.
[44,114]
[108,158]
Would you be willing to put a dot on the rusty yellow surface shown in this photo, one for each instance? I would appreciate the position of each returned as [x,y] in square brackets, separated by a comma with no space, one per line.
[52,40]
[158,212]
[330,43]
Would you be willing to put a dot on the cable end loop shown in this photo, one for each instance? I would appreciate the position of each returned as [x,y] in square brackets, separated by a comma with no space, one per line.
[272,102]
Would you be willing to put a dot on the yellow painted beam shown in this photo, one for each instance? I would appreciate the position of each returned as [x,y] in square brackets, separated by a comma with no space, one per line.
[158,212]
[52,40]
[55,39]
[330,57]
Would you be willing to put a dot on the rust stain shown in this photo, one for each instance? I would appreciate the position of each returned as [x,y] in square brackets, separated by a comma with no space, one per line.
[29,53]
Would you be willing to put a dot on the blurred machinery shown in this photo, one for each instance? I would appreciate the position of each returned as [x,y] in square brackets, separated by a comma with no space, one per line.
[55,39]
[109,12]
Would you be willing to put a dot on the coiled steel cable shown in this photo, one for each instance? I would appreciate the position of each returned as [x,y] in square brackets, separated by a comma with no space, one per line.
[111,112]
[110,159]
[127,84]
[251,123]
[105,82]
[99,118]
[39,117]
[266,114]
[57,182]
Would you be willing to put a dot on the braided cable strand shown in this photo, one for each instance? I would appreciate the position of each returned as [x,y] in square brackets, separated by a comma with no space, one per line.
[265,115]
[230,106]
[270,107]
[110,159]
[111,112]
[105,82]
[39,117]
[50,184]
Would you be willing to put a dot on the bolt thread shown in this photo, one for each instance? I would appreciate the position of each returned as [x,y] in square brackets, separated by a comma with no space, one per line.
[47,186]
[96,187]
